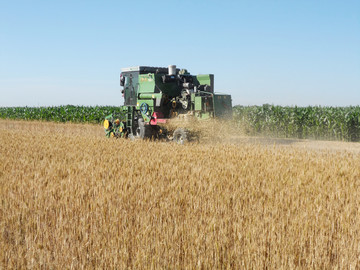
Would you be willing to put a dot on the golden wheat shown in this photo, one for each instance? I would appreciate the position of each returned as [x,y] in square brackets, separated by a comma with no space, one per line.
[71,198]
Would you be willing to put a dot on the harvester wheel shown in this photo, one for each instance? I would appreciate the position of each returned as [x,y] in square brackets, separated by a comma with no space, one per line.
[131,137]
[181,135]
[144,131]
[140,131]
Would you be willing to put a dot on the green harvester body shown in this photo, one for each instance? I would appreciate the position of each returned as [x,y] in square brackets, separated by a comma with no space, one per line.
[153,95]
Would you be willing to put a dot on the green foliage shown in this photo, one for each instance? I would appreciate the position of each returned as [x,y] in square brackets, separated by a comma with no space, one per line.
[68,113]
[330,123]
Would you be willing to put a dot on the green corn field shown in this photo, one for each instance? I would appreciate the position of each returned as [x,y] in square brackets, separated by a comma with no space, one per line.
[313,122]
[68,113]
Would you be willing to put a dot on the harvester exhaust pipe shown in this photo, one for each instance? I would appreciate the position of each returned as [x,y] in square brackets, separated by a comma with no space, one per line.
[172,70]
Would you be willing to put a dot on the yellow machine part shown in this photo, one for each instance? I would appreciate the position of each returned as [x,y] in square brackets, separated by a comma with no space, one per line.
[173,114]
[106,124]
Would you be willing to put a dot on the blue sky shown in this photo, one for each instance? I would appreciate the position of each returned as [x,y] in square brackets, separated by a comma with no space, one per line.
[277,52]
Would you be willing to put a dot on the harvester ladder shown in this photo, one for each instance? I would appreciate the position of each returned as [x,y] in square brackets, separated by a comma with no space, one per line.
[129,117]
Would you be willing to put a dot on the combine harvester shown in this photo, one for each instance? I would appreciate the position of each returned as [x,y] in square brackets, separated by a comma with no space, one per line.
[154,95]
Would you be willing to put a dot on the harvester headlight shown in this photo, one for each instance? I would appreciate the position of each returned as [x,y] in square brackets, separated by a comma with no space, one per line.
[106,124]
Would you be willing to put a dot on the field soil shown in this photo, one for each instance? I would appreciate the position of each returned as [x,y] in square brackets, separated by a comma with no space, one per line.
[71,198]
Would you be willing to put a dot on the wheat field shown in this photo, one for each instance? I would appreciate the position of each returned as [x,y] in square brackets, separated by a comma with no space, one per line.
[72,199]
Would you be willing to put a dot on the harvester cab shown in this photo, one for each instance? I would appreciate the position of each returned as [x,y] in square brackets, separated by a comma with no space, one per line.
[154,95]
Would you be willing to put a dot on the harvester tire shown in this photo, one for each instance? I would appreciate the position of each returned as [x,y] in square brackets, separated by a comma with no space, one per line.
[144,131]
[131,137]
[140,132]
[181,135]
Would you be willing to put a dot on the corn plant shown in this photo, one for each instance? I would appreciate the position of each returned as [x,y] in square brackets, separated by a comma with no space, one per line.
[68,113]
[315,122]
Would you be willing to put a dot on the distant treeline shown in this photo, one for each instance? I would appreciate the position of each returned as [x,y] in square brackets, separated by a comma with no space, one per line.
[313,122]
